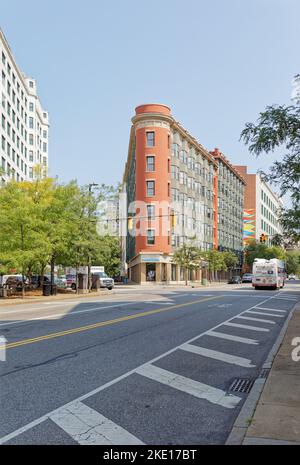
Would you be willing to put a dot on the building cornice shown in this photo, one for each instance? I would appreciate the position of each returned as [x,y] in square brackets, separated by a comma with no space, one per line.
[20,74]
[176,126]
[220,156]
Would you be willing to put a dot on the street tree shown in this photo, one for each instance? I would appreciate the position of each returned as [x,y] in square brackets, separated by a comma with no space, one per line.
[279,127]
[187,256]
[293,262]
[230,259]
[24,243]
[257,249]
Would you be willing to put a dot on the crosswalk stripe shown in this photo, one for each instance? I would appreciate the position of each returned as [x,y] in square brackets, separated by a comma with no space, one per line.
[254,328]
[87,426]
[264,313]
[231,337]
[189,386]
[271,309]
[256,319]
[227,358]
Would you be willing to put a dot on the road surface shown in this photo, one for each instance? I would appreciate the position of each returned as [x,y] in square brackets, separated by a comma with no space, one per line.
[138,367]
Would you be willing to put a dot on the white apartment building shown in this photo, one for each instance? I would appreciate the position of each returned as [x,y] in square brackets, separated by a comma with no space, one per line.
[261,208]
[24,125]
[268,208]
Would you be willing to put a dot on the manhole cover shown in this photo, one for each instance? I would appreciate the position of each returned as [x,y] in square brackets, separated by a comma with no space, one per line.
[241,385]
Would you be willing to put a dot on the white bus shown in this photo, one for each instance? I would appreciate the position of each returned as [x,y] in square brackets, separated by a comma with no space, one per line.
[268,273]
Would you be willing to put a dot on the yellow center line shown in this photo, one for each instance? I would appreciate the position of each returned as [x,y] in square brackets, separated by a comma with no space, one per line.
[100,324]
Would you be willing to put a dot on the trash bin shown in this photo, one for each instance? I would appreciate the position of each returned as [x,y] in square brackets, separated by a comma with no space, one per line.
[53,289]
[204,282]
[46,289]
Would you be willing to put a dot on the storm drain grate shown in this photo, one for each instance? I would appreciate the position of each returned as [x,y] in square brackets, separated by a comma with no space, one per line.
[241,385]
[264,373]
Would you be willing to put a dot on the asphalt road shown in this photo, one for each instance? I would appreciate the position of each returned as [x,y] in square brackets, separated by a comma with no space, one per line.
[152,367]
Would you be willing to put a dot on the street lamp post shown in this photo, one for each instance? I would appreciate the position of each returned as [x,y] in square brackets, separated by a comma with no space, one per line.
[91,185]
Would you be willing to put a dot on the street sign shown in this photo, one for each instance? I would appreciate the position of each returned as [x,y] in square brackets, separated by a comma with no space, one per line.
[97,269]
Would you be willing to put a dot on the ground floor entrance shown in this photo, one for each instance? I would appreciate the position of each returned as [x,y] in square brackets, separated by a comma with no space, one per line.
[160,269]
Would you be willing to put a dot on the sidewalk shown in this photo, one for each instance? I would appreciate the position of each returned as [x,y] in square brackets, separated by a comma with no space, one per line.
[276,419]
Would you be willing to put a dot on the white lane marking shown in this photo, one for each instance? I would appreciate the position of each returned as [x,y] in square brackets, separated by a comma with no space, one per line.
[55,315]
[254,328]
[158,303]
[246,295]
[33,309]
[39,420]
[87,426]
[231,337]
[227,358]
[204,295]
[257,319]
[189,386]
[264,313]
[76,312]
[271,309]
[285,298]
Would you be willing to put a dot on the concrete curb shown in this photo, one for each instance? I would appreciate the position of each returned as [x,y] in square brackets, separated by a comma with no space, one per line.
[241,424]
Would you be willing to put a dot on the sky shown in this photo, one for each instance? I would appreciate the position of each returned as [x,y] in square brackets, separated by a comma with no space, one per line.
[216,63]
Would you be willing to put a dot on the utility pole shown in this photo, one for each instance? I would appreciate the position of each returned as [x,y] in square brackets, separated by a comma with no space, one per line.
[93,184]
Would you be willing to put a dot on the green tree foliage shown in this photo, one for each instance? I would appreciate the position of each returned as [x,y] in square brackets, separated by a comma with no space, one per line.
[230,259]
[293,262]
[279,127]
[188,256]
[107,253]
[42,222]
[257,249]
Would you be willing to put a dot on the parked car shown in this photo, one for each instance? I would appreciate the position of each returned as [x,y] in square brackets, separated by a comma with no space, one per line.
[59,281]
[14,283]
[5,277]
[36,280]
[292,277]
[235,280]
[71,281]
[247,278]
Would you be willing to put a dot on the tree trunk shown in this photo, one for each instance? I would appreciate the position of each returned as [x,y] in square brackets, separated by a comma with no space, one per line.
[52,264]
[23,284]
[42,271]
[76,279]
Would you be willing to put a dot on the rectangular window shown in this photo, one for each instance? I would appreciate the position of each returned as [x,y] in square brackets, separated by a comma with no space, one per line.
[151,211]
[150,162]
[30,122]
[150,236]
[150,137]
[150,188]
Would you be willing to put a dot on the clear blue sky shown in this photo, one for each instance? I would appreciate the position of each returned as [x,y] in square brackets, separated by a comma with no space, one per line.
[216,63]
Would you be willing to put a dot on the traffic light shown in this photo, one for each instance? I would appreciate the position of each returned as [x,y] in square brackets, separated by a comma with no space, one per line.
[263,238]
[173,219]
[130,224]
